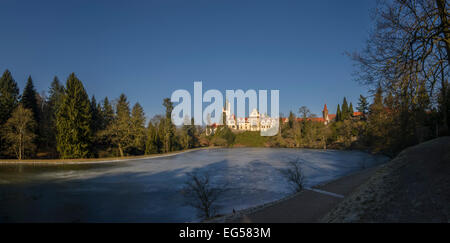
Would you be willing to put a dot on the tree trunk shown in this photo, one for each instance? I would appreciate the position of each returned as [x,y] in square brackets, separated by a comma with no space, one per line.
[20,147]
[444,103]
[120,150]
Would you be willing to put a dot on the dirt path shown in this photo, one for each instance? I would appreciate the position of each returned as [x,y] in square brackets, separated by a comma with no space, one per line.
[308,206]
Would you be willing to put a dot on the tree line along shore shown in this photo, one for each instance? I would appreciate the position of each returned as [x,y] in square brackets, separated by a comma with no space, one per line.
[69,125]
[100,160]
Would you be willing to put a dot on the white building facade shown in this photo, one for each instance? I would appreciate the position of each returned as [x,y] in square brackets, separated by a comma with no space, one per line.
[255,121]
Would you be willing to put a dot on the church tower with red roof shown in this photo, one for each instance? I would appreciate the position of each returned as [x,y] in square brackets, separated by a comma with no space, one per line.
[325,114]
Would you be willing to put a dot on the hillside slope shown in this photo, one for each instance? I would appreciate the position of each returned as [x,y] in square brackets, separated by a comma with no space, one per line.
[413,187]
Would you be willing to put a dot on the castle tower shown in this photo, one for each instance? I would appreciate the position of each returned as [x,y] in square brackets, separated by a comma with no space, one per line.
[325,114]
[227,109]
[226,113]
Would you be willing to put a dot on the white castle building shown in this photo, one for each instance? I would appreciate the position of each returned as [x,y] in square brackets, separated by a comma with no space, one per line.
[255,121]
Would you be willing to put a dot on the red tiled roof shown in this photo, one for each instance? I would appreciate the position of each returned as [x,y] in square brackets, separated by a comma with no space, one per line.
[317,119]
[314,119]
[331,116]
[357,113]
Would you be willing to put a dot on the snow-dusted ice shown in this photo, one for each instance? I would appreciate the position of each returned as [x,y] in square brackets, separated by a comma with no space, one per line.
[148,190]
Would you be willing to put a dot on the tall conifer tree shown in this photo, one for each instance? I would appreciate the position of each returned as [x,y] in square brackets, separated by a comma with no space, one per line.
[107,113]
[350,109]
[151,146]
[56,93]
[338,113]
[96,121]
[377,122]
[9,94]
[29,99]
[363,105]
[119,132]
[73,121]
[344,111]
[138,128]
[169,128]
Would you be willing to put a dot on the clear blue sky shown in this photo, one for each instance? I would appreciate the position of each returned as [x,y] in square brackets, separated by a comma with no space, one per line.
[147,49]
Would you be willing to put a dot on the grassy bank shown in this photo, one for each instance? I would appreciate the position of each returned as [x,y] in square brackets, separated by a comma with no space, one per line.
[250,139]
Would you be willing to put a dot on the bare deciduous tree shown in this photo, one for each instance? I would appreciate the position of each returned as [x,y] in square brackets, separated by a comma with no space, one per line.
[19,131]
[202,195]
[294,175]
[408,53]
[304,112]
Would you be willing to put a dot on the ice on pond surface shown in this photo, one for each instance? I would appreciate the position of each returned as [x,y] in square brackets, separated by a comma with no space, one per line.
[148,190]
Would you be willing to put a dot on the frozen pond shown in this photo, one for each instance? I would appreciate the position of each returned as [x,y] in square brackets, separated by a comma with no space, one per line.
[148,190]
